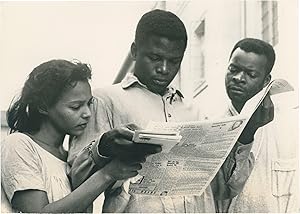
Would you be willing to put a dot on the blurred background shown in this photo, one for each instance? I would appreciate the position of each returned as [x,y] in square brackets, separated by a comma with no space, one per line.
[100,33]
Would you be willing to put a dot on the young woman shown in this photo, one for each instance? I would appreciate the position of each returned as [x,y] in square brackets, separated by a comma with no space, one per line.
[55,101]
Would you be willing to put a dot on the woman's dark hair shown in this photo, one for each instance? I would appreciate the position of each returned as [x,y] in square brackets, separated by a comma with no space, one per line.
[42,89]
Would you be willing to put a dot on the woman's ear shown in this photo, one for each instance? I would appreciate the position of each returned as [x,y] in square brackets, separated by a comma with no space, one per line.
[133,50]
[267,80]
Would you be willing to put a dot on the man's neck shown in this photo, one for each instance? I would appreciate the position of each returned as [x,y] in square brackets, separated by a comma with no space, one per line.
[238,106]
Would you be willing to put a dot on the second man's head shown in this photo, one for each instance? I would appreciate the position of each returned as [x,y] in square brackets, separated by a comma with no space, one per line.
[158,49]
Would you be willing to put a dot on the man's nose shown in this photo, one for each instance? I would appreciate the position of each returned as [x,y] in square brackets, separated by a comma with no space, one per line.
[162,68]
[239,76]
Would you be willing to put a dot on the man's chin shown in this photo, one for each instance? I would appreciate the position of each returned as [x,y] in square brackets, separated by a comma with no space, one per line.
[156,90]
[237,99]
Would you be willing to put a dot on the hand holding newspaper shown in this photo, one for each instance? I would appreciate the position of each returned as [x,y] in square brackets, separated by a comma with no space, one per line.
[193,152]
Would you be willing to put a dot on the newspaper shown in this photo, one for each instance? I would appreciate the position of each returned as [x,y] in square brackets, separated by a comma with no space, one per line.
[276,86]
[189,166]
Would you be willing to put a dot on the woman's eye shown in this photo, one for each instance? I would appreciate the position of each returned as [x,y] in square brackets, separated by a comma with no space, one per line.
[75,107]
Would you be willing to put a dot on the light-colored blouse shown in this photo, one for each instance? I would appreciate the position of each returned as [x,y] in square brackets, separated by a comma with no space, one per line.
[25,165]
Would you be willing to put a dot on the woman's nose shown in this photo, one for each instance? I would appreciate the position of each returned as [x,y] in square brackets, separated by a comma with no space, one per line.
[87,112]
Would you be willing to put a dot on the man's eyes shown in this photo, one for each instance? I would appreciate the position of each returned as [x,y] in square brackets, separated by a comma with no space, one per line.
[233,68]
[252,75]
[154,57]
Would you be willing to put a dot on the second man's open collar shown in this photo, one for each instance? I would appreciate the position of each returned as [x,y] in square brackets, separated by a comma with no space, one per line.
[130,79]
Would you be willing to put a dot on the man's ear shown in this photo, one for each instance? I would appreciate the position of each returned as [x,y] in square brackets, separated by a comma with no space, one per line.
[133,50]
[267,80]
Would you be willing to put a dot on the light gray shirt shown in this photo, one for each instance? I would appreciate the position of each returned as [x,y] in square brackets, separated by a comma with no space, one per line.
[273,184]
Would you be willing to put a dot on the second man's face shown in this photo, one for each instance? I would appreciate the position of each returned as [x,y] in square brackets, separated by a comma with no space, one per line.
[246,76]
[158,61]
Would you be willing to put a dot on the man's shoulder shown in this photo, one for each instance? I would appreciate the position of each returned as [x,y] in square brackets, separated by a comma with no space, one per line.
[108,91]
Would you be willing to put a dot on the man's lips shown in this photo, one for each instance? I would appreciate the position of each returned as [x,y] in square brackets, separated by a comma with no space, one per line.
[160,81]
[236,89]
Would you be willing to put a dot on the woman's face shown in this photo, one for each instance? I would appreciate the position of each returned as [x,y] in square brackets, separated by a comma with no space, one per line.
[72,112]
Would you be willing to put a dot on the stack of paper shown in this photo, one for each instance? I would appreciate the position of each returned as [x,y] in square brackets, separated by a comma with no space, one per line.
[167,139]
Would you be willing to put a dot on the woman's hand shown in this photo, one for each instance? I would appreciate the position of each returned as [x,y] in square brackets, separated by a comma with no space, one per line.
[120,170]
[117,143]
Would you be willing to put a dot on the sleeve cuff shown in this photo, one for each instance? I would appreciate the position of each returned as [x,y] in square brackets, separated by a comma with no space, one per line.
[100,160]
[242,150]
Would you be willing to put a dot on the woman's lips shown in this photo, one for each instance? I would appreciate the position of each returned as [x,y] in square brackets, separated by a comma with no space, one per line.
[82,126]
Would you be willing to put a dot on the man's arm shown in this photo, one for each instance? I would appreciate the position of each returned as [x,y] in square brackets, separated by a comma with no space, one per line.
[237,167]
[234,172]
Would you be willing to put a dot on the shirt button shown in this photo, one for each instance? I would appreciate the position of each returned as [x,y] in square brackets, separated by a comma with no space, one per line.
[169,115]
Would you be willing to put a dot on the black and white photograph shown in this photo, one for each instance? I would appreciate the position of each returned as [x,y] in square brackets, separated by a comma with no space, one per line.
[146,106]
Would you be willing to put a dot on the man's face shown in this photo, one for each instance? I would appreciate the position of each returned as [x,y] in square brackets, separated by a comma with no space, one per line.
[246,75]
[158,61]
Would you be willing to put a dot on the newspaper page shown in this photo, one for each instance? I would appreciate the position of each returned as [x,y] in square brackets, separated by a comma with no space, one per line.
[274,87]
[191,164]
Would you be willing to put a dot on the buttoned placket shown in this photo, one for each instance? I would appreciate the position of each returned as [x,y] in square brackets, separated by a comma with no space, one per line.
[167,100]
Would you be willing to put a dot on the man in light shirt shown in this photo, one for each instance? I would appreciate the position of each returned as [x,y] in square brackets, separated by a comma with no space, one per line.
[146,95]
[272,184]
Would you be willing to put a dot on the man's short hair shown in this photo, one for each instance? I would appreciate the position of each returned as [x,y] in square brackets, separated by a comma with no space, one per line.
[160,23]
[259,47]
